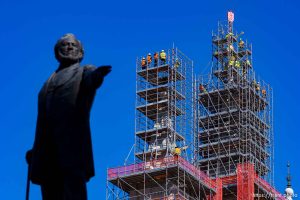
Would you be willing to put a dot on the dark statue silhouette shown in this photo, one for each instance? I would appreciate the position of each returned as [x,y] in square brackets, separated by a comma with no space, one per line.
[61,160]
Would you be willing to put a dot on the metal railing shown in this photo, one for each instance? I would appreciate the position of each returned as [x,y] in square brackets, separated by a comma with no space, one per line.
[113,173]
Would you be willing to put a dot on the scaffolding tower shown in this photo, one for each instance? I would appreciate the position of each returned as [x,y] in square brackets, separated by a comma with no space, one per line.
[234,113]
[163,135]
[164,101]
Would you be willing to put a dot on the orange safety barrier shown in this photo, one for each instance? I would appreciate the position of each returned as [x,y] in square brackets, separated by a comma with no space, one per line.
[227,180]
[219,191]
[244,177]
[245,181]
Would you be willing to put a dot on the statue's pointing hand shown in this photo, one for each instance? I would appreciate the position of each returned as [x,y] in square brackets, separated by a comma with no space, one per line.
[98,75]
[104,70]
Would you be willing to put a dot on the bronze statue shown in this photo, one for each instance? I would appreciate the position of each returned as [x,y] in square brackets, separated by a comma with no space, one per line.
[61,160]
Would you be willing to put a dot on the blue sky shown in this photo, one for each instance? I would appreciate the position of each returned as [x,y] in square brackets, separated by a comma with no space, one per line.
[116,32]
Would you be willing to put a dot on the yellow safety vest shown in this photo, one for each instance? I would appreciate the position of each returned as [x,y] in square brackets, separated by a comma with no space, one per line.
[248,62]
[241,44]
[163,55]
[177,151]
[231,63]
[228,35]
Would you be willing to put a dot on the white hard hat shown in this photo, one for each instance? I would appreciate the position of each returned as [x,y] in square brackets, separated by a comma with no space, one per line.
[162,50]
[149,54]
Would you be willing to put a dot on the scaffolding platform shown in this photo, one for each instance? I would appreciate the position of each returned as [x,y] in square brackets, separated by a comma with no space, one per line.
[234,93]
[234,130]
[158,151]
[222,40]
[151,110]
[233,144]
[131,178]
[225,53]
[159,93]
[237,74]
[226,164]
[145,135]
[161,75]
[232,116]
[245,52]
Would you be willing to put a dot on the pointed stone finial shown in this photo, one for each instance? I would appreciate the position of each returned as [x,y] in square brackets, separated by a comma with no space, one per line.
[289,178]
[289,192]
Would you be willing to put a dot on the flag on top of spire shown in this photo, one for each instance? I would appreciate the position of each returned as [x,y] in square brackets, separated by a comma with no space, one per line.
[230,16]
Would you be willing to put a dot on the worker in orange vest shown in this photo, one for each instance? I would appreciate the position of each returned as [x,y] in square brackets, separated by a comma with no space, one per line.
[143,63]
[155,59]
[264,93]
[202,88]
[257,87]
[149,59]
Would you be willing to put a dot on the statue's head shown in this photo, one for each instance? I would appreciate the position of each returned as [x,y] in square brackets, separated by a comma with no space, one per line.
[68,50]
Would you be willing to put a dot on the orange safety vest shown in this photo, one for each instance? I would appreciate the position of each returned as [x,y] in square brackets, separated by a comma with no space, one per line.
[149,59]
[201,88]
[156,56]
[143,62]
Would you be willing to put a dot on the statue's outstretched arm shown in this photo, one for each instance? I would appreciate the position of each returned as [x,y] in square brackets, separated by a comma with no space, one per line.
[94,76]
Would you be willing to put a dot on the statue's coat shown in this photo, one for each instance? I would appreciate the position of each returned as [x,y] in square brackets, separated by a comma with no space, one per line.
[63,137]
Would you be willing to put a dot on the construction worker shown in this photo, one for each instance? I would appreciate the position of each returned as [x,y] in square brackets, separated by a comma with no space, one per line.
[226,67]
[257,88]
[231,62]
[177,150]
[244,70]
[171,197]
[237,64]
[230,48]
[202,89]
[264,93]
[241,44]
[163,56]
[155,59]
[229,35]
[177,63]
[248,63]
[253,84]
[149,59]
[143,63]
